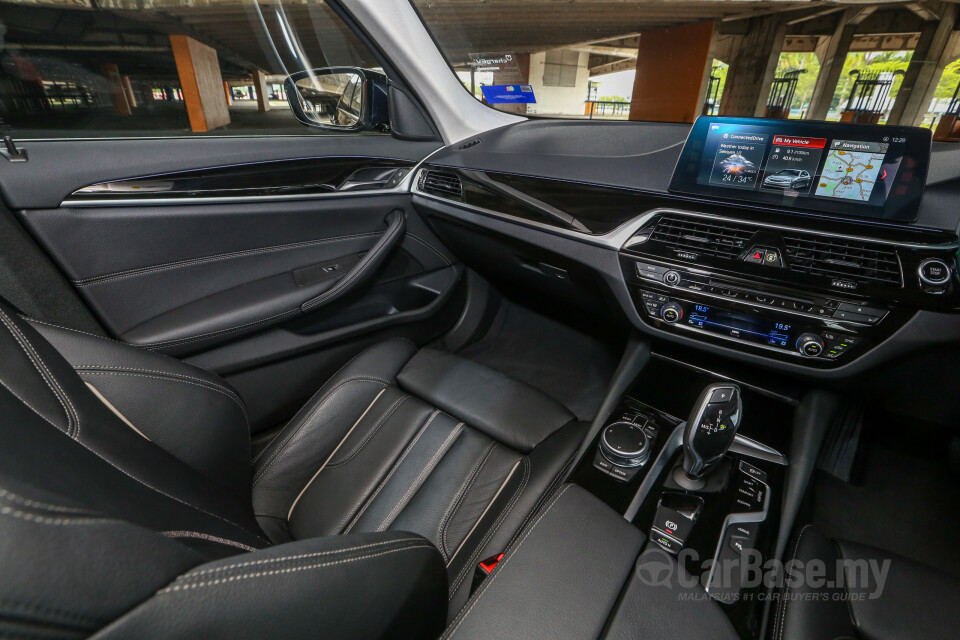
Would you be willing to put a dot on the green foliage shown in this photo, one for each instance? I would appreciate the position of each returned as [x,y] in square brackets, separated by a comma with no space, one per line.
[870,62]
[806,81]
[948,81]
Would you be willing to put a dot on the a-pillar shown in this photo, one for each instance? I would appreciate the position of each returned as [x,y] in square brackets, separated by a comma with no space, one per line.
[263,92]
[118,96]
[671,65]
[934,51]
[753,65]
[200,83]
[832,53]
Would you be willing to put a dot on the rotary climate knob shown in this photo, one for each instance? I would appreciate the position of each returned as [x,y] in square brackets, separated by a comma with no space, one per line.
[671,312]
[810,345]
[625,444]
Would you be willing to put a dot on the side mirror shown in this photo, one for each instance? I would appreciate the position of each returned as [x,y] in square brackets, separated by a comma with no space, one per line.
[339,99]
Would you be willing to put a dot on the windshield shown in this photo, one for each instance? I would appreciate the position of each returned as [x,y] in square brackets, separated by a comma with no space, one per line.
[671,61]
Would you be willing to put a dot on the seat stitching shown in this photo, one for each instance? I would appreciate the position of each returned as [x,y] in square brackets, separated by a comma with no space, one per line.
[36,504]
[218,257]
[421,477]
[209,538]
[321,389]
[461,494]
[496,525]
[485,586]
[369,435]
[84,372]
[285,558]
[273,572]
[554,483]
[45,374]
[210,383]
[57,326]
[393,469]
[59,521]
[786,586]
[30,406]
[306,418]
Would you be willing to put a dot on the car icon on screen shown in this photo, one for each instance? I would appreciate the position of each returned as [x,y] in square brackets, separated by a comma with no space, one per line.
[788,179]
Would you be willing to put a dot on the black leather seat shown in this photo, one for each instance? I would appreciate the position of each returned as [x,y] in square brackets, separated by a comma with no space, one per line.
[126,477]
[865,593]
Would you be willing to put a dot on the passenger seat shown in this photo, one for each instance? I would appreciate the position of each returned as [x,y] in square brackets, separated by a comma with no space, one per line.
[399,440]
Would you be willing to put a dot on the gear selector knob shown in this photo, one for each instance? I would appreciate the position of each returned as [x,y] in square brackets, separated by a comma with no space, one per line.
[710,430]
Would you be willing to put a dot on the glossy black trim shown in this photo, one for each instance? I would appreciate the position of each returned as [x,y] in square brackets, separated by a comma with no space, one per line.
[300,176]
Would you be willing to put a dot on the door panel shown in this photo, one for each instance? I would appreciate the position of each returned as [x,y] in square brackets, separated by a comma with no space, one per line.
[150,272]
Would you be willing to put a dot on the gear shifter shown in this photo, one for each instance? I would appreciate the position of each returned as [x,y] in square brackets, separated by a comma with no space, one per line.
[710,430]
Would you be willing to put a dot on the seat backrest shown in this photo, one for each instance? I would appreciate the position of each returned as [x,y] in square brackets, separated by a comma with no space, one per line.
[61,439]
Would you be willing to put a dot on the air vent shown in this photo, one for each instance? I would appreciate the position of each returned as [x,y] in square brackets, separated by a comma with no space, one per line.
[841,258]
[703,237]
[441,183]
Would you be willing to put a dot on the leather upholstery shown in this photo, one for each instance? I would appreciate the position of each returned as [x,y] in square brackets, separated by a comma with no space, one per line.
[568,567]
[132,488]
[140,384]
[912,602]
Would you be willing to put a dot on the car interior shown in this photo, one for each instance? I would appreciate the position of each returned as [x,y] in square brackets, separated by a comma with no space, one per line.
[336,319]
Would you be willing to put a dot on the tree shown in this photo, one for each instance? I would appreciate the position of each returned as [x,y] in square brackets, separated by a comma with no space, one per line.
[948,81]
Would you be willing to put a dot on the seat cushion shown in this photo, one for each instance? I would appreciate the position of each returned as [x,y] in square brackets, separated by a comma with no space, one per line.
[864,592]
[392,442]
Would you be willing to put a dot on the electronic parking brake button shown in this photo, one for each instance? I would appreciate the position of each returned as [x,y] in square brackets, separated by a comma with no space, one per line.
[675,517]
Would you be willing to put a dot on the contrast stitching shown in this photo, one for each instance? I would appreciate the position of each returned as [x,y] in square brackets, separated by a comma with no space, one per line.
[326,461]
[30,406]
[421,478]
[307,417]
[73,425]
[57,326]
[168,266]
[393,470]
[786,587]
[557,480]
[369,435]
[484,587]
[493,529]
[274,572]
[86,372]
[461,494]
[61,521]
[36,504]
[209,538]
[106,367]
[299,556]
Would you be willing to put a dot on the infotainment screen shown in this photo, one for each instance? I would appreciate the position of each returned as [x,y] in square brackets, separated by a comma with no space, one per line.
[846,169]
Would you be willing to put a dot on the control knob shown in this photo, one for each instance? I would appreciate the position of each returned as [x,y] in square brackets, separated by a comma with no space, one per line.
[810,345]
[671,312]
[625,444]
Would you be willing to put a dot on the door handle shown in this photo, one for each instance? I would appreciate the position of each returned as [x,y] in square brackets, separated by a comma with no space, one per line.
[396,228]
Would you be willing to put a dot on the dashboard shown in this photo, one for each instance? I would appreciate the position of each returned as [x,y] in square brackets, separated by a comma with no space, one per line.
[818,248]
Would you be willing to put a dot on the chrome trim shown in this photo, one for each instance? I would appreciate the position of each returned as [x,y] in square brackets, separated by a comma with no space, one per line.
[748,447]
[670,447]
[927,280]
[738,518]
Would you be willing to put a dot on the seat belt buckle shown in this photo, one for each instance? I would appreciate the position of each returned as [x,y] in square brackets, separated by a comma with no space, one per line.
[484,569]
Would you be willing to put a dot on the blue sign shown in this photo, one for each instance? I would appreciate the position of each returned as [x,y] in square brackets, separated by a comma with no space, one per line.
[508,94]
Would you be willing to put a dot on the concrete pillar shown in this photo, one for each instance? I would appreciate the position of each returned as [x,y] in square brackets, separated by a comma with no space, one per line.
[117,94]
[671,65]
[263,93]
[227,92]
[128,91]
[832,52]
[932,54]
[200,83]
[753,65]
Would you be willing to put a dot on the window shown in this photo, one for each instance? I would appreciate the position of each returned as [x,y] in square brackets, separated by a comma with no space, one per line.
[74,70]
[674,61]
[560,68]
